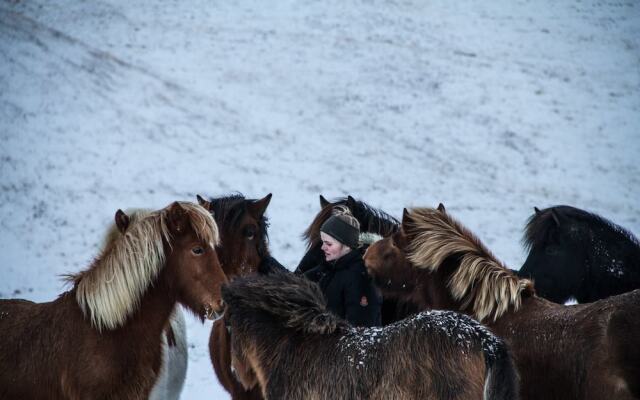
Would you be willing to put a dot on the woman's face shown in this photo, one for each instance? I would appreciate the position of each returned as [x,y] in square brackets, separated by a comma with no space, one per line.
[332,248]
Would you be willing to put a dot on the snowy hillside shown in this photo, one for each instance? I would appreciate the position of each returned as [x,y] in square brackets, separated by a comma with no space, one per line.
[488,107]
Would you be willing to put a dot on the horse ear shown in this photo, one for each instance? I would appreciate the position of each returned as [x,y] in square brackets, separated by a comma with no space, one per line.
[258,207]
[323,202]
[405,217]
[537,210]
[204,203]
[351,202]
[555,216]
[177,218]
[122,221]
[441,208]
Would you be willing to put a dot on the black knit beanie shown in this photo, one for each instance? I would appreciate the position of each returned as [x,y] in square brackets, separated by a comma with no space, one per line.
[341,230]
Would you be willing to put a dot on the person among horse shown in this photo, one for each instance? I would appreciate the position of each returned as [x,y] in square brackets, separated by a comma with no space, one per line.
[342,277]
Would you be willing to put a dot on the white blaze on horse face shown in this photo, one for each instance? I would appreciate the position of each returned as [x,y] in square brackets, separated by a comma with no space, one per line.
[332,249]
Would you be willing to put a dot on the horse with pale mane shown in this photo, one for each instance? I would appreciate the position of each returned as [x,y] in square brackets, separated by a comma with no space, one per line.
[585,351]
[103,338]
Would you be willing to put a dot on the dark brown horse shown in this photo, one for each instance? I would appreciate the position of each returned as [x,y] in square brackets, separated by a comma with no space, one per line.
[102,339]
[296,348]
[244,250]
[587,351]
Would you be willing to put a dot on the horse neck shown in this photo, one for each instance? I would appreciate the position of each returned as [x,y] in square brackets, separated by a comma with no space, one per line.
[432,292]
[514,323]
[154,311]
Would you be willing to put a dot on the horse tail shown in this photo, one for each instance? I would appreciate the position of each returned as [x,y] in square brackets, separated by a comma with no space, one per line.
[501,381]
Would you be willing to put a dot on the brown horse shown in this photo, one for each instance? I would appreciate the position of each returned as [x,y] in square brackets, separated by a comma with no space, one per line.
[587,351]
[244,250]
[296,348]
[175,353]
[102,339]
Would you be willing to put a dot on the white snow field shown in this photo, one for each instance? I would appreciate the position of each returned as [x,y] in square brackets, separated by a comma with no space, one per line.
[491,107]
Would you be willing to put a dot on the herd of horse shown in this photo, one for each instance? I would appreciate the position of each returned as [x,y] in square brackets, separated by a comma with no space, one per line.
[457,323]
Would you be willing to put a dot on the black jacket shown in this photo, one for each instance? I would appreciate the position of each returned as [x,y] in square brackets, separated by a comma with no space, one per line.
[348,289]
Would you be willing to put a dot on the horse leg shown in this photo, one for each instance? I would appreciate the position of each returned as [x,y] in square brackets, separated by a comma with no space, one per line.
[220,352]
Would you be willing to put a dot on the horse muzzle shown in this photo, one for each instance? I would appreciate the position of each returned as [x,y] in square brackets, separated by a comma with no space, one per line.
[211,314]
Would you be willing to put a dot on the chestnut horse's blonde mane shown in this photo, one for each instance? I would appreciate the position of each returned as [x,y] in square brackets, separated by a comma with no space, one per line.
[480,281]
[111,289]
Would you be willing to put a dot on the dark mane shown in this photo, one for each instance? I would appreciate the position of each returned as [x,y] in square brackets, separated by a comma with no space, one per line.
[542,224]
[372,220]
[297,302]
[228,211]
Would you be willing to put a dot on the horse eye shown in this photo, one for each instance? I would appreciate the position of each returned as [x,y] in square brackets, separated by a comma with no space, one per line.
[551,250]
[197,250]
[250,233]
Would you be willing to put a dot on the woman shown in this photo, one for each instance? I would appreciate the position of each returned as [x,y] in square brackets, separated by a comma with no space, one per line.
[344,281]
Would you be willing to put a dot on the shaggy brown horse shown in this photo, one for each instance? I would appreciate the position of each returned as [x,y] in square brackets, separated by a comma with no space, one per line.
[296,348]
[244,250]
[587,351]
[102,339]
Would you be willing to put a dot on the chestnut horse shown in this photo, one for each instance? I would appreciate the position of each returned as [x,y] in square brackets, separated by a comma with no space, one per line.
[175,353]
[586,351]
[244,250]
[103,338]
[297,349]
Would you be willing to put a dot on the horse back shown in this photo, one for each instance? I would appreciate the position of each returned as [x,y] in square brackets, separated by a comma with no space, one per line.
[586,351]
[49,351]
[26,341]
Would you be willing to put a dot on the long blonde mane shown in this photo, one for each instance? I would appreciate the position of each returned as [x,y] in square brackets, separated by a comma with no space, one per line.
[111,289]
[480,281]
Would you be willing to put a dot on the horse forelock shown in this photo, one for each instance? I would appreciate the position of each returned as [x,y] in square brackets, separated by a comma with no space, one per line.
[230,209]
[293,301]
[480,281]
[111,289]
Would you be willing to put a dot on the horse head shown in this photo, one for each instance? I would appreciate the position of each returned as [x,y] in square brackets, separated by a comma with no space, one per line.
[557,260]
[193,271]
[243,232]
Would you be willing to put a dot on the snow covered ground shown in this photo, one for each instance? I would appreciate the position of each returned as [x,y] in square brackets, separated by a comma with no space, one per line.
[489,107]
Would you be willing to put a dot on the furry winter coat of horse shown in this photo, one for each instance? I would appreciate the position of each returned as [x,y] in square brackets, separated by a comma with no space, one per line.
[284,339]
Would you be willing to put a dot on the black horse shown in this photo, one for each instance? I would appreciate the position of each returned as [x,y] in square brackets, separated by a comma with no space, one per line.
[574,253]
